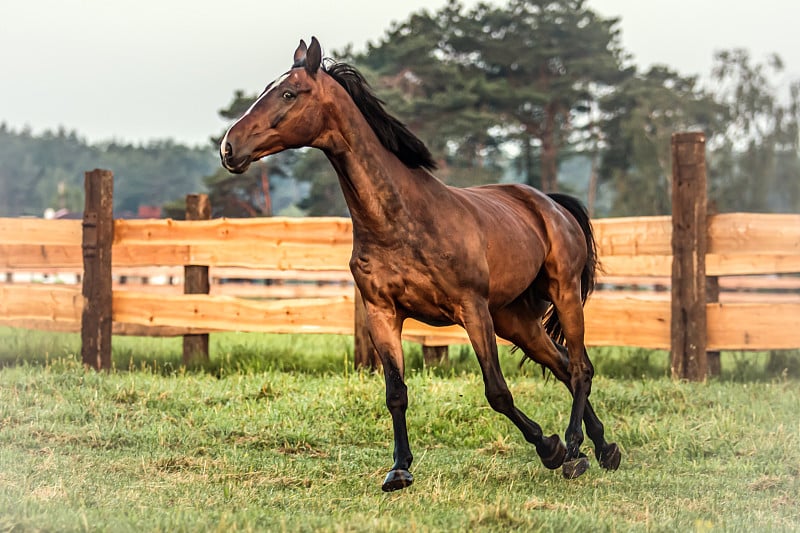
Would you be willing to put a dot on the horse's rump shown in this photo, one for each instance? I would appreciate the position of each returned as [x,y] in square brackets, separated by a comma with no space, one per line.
[589,272]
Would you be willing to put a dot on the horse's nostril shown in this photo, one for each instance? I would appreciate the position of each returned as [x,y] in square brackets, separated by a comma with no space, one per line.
[228,150]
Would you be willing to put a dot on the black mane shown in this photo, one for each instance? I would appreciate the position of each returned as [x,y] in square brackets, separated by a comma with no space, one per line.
[393,134]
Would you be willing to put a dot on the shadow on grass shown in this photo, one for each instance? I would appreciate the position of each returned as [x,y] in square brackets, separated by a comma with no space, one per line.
[233,353]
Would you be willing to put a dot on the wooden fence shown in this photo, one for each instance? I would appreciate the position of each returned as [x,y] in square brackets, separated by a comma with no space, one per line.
[635,252]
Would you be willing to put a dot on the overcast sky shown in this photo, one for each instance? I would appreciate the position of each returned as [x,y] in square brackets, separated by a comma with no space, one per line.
[137,70]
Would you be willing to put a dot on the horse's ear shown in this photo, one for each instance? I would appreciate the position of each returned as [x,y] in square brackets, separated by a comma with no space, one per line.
[300,54]
[313,57]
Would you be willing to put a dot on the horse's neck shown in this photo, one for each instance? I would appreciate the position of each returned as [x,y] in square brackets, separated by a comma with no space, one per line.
[372,196]
[372,179]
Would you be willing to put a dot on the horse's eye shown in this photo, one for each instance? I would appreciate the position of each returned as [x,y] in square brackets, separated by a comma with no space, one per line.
[288,95]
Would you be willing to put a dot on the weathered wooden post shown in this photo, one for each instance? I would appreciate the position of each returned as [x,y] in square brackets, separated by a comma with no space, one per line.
[434,355]
[98,236]
[195,281]
[689,235]
[364,353]
[712,296]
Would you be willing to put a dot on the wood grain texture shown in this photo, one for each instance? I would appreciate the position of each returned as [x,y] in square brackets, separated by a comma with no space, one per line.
[689,244]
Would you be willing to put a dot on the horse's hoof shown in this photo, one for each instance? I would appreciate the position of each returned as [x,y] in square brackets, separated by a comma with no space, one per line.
[556,459]
[575,467]
[396,480]
[610,457]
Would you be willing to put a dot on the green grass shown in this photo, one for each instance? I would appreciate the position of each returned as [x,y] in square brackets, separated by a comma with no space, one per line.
[324,354]
[281,434]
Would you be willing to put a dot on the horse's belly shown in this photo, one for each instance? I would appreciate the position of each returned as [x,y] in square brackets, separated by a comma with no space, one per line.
[429,309]
[437,323]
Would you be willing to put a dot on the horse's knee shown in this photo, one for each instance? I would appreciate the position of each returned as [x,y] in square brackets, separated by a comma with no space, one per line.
[397,396]
[500,400]
[396,389]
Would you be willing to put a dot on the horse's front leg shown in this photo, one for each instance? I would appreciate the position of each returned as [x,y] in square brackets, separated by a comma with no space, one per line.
[384,330]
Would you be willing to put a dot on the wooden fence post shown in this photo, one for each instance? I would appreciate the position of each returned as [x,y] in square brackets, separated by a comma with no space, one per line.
[712,296]
[98,235]
[689,235]
[364,353]
[195,281]
[434,355]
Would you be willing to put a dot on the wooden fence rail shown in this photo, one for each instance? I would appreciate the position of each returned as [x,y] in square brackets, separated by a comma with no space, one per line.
[738,244]
[744,244]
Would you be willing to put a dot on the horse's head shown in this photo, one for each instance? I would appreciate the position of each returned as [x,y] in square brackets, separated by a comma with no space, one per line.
[282,117]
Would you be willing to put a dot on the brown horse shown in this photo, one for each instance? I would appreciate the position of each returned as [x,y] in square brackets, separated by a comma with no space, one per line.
[497,259]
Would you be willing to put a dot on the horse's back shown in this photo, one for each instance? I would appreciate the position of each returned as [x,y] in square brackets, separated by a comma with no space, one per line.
[517,210]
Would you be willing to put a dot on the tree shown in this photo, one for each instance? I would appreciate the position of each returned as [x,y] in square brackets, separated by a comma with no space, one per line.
[46,171]
[542,62]
[640,115]
[154,173]
[755,165]
[472,83]
[440,99]
[325,197]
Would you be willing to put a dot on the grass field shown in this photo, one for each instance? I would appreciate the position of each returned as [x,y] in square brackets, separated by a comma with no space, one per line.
[280,434]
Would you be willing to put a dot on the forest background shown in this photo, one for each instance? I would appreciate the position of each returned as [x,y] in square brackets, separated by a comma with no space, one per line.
[533,91]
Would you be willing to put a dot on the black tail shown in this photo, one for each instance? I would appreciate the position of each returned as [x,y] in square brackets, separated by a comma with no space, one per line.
[589,272]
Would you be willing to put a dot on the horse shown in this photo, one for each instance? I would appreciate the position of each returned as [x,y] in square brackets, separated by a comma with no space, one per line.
[500,259]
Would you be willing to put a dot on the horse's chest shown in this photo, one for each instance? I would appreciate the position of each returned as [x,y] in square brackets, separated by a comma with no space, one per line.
[407,280]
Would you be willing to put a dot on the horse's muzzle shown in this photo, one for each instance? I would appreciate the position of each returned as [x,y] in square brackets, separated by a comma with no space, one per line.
[231,163]
[226,152]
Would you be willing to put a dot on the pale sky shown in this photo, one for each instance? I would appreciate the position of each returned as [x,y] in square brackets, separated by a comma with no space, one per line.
[138,70]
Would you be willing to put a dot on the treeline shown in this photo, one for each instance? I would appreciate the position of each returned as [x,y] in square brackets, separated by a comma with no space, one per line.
[534,91]
[46,171]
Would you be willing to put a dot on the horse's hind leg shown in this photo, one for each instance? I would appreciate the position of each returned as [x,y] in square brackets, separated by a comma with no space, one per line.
[566,298]
[479,325]
[608,454]
[522,326]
